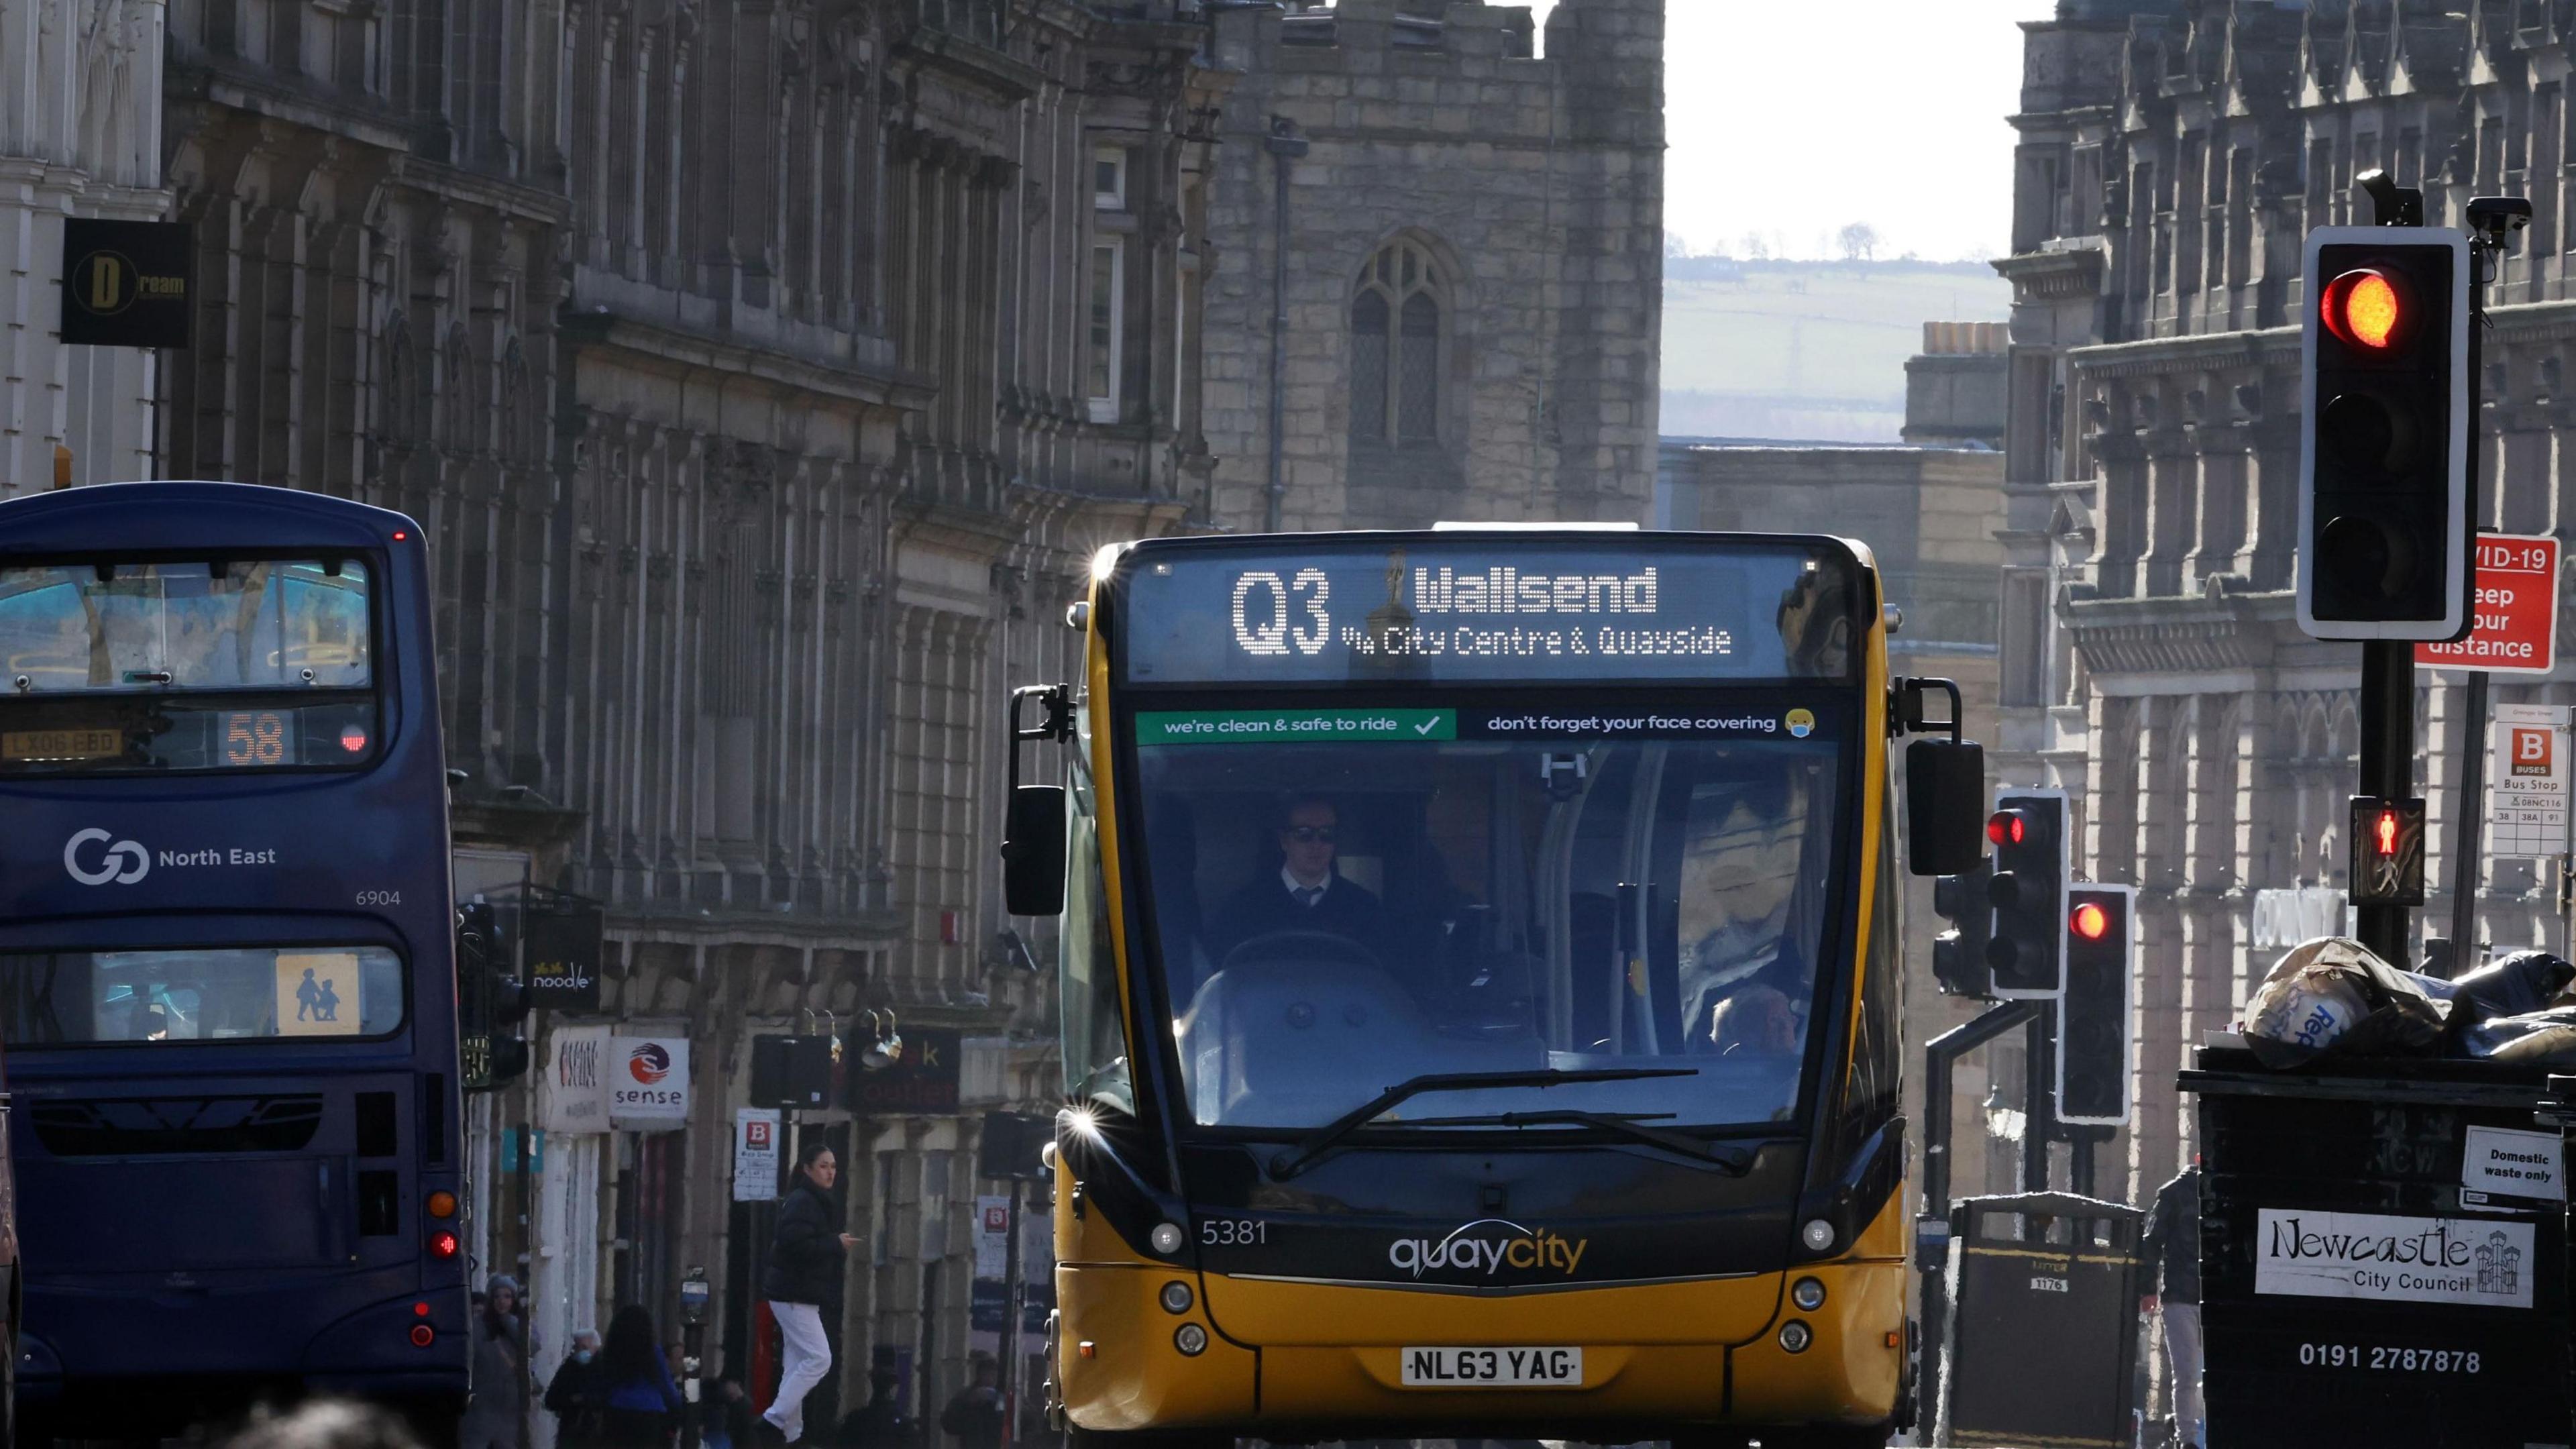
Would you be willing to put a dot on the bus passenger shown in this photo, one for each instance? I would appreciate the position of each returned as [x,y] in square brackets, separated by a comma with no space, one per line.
[1754,1022]
[1307,893]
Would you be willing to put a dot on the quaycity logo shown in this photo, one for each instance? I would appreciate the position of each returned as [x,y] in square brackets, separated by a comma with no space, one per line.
[649,1063]
[122,863]
[1486,1247]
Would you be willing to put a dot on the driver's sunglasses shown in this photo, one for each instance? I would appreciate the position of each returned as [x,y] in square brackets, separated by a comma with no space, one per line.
[1310,834]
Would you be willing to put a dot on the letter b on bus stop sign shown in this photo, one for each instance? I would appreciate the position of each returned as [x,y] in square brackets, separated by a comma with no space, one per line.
[2514,609]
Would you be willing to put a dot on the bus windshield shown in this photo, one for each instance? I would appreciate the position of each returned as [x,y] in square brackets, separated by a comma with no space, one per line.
[1346,898]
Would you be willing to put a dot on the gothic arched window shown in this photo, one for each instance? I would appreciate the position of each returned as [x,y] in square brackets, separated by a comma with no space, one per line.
[1395,347]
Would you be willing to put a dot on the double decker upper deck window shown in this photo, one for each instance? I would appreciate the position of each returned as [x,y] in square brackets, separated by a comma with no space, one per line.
[196,664]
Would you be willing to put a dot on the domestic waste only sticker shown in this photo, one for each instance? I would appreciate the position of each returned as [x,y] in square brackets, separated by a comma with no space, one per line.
[1294,726]
[2513,1164]
[2482,1261]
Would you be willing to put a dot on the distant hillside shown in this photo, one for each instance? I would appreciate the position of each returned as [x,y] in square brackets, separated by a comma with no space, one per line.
[1806,350]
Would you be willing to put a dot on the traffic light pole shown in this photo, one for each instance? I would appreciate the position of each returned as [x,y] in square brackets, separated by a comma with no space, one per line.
[2387,769]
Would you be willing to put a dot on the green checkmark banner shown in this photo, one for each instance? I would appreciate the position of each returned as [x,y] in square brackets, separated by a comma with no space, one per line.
[1290,726]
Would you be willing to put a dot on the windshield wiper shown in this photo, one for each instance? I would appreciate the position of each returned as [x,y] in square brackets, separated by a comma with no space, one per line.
[1725,1158]
[1323,1139]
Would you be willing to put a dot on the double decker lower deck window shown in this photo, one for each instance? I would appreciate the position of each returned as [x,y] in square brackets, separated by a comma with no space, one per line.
[81,998]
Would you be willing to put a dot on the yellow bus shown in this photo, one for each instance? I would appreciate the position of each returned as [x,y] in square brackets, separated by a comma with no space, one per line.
[1480,987]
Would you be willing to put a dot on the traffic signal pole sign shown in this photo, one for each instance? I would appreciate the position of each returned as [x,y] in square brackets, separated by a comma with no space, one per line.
[2388,497]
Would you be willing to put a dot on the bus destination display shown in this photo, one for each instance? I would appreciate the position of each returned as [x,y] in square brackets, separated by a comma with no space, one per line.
[1490,611]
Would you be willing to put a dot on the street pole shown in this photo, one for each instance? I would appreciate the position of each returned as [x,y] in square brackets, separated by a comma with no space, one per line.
[2464,836]
[527,1279]
[2387,769]
[2039,1113]
[1939,1056]
[1014,1298]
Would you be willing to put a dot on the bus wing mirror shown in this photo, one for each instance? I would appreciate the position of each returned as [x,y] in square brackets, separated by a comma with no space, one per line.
[1945,810]
[1033,851]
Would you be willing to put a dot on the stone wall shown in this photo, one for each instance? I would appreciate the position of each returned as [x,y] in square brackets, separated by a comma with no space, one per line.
[1519,199]
[80,135]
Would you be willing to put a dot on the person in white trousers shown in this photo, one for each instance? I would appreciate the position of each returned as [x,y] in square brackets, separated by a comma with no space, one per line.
[804,1275]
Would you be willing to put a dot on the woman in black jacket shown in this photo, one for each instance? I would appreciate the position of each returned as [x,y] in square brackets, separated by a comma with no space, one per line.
[804,1274]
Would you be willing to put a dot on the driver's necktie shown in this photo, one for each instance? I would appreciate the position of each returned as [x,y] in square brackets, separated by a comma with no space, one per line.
[1308,895]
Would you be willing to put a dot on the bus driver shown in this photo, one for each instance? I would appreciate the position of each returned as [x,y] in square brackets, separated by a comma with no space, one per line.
[1307,893]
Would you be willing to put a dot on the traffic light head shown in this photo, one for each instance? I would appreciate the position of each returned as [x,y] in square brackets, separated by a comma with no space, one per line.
[2386,512]
[1959,953]
[2028,892]
[2094,1017]
[2387,862]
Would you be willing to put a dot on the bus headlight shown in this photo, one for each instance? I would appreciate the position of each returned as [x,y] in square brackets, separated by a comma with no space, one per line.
[1818,1235]
[1795,1336]
[1176,1297]
[1190,1339]
[1166,1238]
[1808,1294]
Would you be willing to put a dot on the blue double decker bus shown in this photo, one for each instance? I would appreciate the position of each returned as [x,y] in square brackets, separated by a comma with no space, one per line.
[227,959]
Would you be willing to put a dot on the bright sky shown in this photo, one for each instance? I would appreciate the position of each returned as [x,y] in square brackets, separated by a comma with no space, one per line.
[1794,120]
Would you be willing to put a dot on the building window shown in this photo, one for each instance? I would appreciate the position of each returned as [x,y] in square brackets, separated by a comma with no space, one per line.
[1395,348]
[1109,178]
[2025,639]
[1108,325]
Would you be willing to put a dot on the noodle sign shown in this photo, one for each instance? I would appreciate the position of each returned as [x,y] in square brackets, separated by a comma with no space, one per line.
[125,283]
[2515,608]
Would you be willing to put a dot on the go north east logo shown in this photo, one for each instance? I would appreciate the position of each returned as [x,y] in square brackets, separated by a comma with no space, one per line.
[649,1063]
[1488,1246]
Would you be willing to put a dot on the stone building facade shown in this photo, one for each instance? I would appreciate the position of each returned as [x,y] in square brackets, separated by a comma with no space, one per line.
[764,376]
[2173,154]
[1472,308]
[80,136]
[739,361]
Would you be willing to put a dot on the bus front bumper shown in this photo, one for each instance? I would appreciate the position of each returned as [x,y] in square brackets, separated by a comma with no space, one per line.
[1328,1360]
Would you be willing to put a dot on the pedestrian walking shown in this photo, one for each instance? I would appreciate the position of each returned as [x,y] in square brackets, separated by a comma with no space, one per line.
[804,1276]
[641,1409]
[974,1418]
[578,1398]
[2172,1253]
[500,1375]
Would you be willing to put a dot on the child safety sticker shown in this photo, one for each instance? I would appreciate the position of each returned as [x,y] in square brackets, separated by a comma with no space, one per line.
[2508,1163]
[2485,1262]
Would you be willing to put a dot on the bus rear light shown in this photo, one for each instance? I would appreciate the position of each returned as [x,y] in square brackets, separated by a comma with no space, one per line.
[442,1204]
[422,1335]
[442,1244]
[353,739]
[420,1309]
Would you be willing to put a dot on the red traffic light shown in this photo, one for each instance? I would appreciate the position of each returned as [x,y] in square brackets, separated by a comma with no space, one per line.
[2383,834]
[2368,308]
[2090,921]
[2006,827]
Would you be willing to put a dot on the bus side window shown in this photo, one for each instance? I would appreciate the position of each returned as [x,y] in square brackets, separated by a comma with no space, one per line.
[1095,1041]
